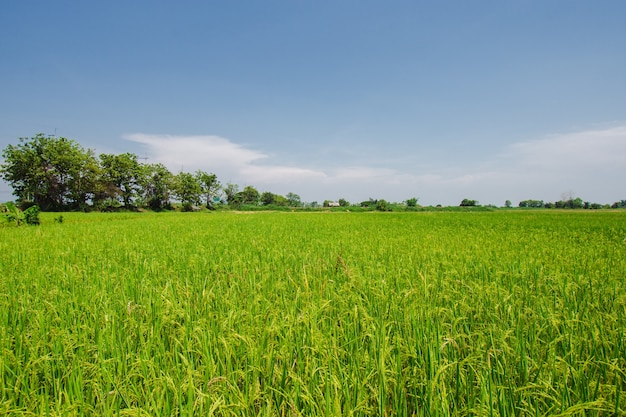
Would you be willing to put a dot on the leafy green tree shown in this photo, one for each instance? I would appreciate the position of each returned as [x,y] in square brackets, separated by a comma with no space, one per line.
[249,195]
[83,183]
[282,201]
[267,198]
[231,191]
[382,205]
[343,202]
[270,199]
[54,173]
[156,185]
[468,203]
[371,203]
[411,202]
[572,203]
[209,186]
[13,214]
[121,177]
[293,200]
[531,203]
[187,189]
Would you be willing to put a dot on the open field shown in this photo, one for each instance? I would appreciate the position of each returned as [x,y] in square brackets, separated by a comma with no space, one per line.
[502,313]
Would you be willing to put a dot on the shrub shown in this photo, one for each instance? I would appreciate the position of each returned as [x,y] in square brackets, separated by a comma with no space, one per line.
[31,216]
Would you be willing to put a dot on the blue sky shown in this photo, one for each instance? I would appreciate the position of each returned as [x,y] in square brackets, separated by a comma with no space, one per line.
[488,100]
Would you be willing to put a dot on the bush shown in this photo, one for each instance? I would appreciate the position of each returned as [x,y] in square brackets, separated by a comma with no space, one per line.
[13,214]
[31,216]
[382,205]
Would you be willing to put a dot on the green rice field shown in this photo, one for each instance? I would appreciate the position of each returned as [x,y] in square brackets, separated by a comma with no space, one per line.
[503,313]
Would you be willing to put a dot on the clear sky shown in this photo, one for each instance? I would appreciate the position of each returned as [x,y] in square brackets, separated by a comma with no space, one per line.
[354,99]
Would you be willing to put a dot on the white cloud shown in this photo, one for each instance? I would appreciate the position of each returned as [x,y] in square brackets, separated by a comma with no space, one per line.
[196,151]
[230,161]
[596,149]
[589,162]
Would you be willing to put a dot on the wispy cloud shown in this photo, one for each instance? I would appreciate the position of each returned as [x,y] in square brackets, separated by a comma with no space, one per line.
[229,160]
[589,162]
[588,150]
[196,152]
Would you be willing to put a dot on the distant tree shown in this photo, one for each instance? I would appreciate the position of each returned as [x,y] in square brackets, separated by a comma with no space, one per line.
[411,202]
[267,198]
[282,201]
[382,205]
[54,173]
[371,203]
[231,191]
[250,195]
[576,203]
[531,203]
[572,203]
[209,186]
[156,183]
[187,189]
[508,204]
[84,183]
[121,176]
[293,200]
[468,203]
[343,202]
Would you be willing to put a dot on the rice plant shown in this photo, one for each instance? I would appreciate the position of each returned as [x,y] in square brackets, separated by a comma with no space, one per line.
[289,314]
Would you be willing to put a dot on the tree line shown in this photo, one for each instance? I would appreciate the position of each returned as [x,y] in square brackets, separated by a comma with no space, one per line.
[58,174]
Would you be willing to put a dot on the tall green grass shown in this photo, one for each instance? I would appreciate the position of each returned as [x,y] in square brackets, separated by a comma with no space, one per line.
[434,314]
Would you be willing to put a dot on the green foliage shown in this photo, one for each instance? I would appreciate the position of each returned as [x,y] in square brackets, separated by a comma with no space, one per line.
[249,195]
[572,203]
[411,202]
[52,172]
[468,203]
[619,204]
[293,200]
[382,205]
[232,194]
[121,177]
[270,199]
[209,186]
[187,206]
[13,214]
[532,203]
[156,183]
[31,216]
[187,189]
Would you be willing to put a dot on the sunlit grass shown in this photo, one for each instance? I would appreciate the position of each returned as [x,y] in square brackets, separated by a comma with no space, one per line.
[503,313]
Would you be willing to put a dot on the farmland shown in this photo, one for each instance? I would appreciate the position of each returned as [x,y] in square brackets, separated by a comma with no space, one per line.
[490,313]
